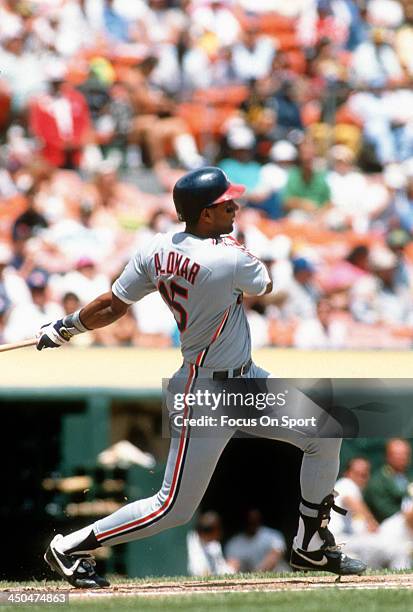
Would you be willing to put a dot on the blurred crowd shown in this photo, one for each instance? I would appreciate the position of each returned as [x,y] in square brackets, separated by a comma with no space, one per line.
[309,103]
[378,526]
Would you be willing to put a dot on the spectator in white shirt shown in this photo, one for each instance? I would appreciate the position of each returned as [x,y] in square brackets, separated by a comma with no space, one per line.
[324,331]
[359,519]
[26,319]
[381,297]
[396,533]
[86,281]
[375,61]
[359,529]
[257,548]
[274,175]
[252,56]
[216,18]
[205,556]
[13,289]
[348,192]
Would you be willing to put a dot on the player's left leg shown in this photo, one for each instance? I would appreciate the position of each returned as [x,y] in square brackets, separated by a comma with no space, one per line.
[193,454]
[187,475]
[314,547]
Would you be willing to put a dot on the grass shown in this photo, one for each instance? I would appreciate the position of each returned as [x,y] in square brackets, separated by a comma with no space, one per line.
[117,579]
[321,600]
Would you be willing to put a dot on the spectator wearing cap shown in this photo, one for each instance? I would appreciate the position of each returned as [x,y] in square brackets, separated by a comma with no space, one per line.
[205,555]
[240,165]
[26,319]
[60,120]
[307,191]
[301,292]
[273,178]
[379,298]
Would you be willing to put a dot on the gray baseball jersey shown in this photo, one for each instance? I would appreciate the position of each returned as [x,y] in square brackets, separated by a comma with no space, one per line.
[202,281]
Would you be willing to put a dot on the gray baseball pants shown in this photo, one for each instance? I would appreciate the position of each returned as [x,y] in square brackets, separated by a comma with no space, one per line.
[191,462]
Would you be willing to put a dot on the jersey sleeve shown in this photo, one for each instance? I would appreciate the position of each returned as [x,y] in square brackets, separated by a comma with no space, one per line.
[134,282]
[251,276]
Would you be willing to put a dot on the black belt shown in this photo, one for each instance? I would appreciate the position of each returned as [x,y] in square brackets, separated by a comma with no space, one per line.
[225,374]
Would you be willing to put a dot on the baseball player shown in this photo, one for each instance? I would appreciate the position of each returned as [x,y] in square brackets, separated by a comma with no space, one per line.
[201,273]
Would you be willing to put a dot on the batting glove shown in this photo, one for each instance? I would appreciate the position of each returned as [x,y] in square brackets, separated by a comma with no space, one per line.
[60,332]
[53,335]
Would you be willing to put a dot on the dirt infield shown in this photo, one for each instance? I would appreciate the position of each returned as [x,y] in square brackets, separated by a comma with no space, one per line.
[235,585]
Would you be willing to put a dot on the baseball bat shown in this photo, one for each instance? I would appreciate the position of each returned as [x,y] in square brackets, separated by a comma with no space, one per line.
[17,345]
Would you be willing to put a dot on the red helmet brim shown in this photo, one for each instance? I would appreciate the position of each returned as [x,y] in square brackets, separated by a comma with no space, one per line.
[232,193]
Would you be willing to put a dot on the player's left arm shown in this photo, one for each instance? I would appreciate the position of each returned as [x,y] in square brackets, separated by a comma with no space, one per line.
[102,311]
[131,286]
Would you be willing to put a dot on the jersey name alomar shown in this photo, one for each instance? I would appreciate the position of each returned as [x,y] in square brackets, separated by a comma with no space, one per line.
[202,281]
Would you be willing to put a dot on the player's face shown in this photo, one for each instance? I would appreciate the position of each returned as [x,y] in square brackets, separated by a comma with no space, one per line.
[222,217]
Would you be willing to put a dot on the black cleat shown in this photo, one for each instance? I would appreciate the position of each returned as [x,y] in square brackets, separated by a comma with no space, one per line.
[77,569]
[326,560]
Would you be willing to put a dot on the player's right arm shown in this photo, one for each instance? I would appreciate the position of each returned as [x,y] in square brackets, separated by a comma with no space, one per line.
[251,275]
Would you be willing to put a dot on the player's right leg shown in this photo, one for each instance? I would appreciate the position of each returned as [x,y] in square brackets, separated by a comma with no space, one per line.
[314,546]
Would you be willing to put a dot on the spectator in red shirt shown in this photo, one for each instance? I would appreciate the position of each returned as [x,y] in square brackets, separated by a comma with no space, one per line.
[61,121]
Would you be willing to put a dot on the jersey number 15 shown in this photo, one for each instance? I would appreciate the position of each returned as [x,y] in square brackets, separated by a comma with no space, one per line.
[169,295]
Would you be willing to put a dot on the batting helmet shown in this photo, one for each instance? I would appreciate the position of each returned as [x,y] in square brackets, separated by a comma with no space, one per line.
[203,188]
